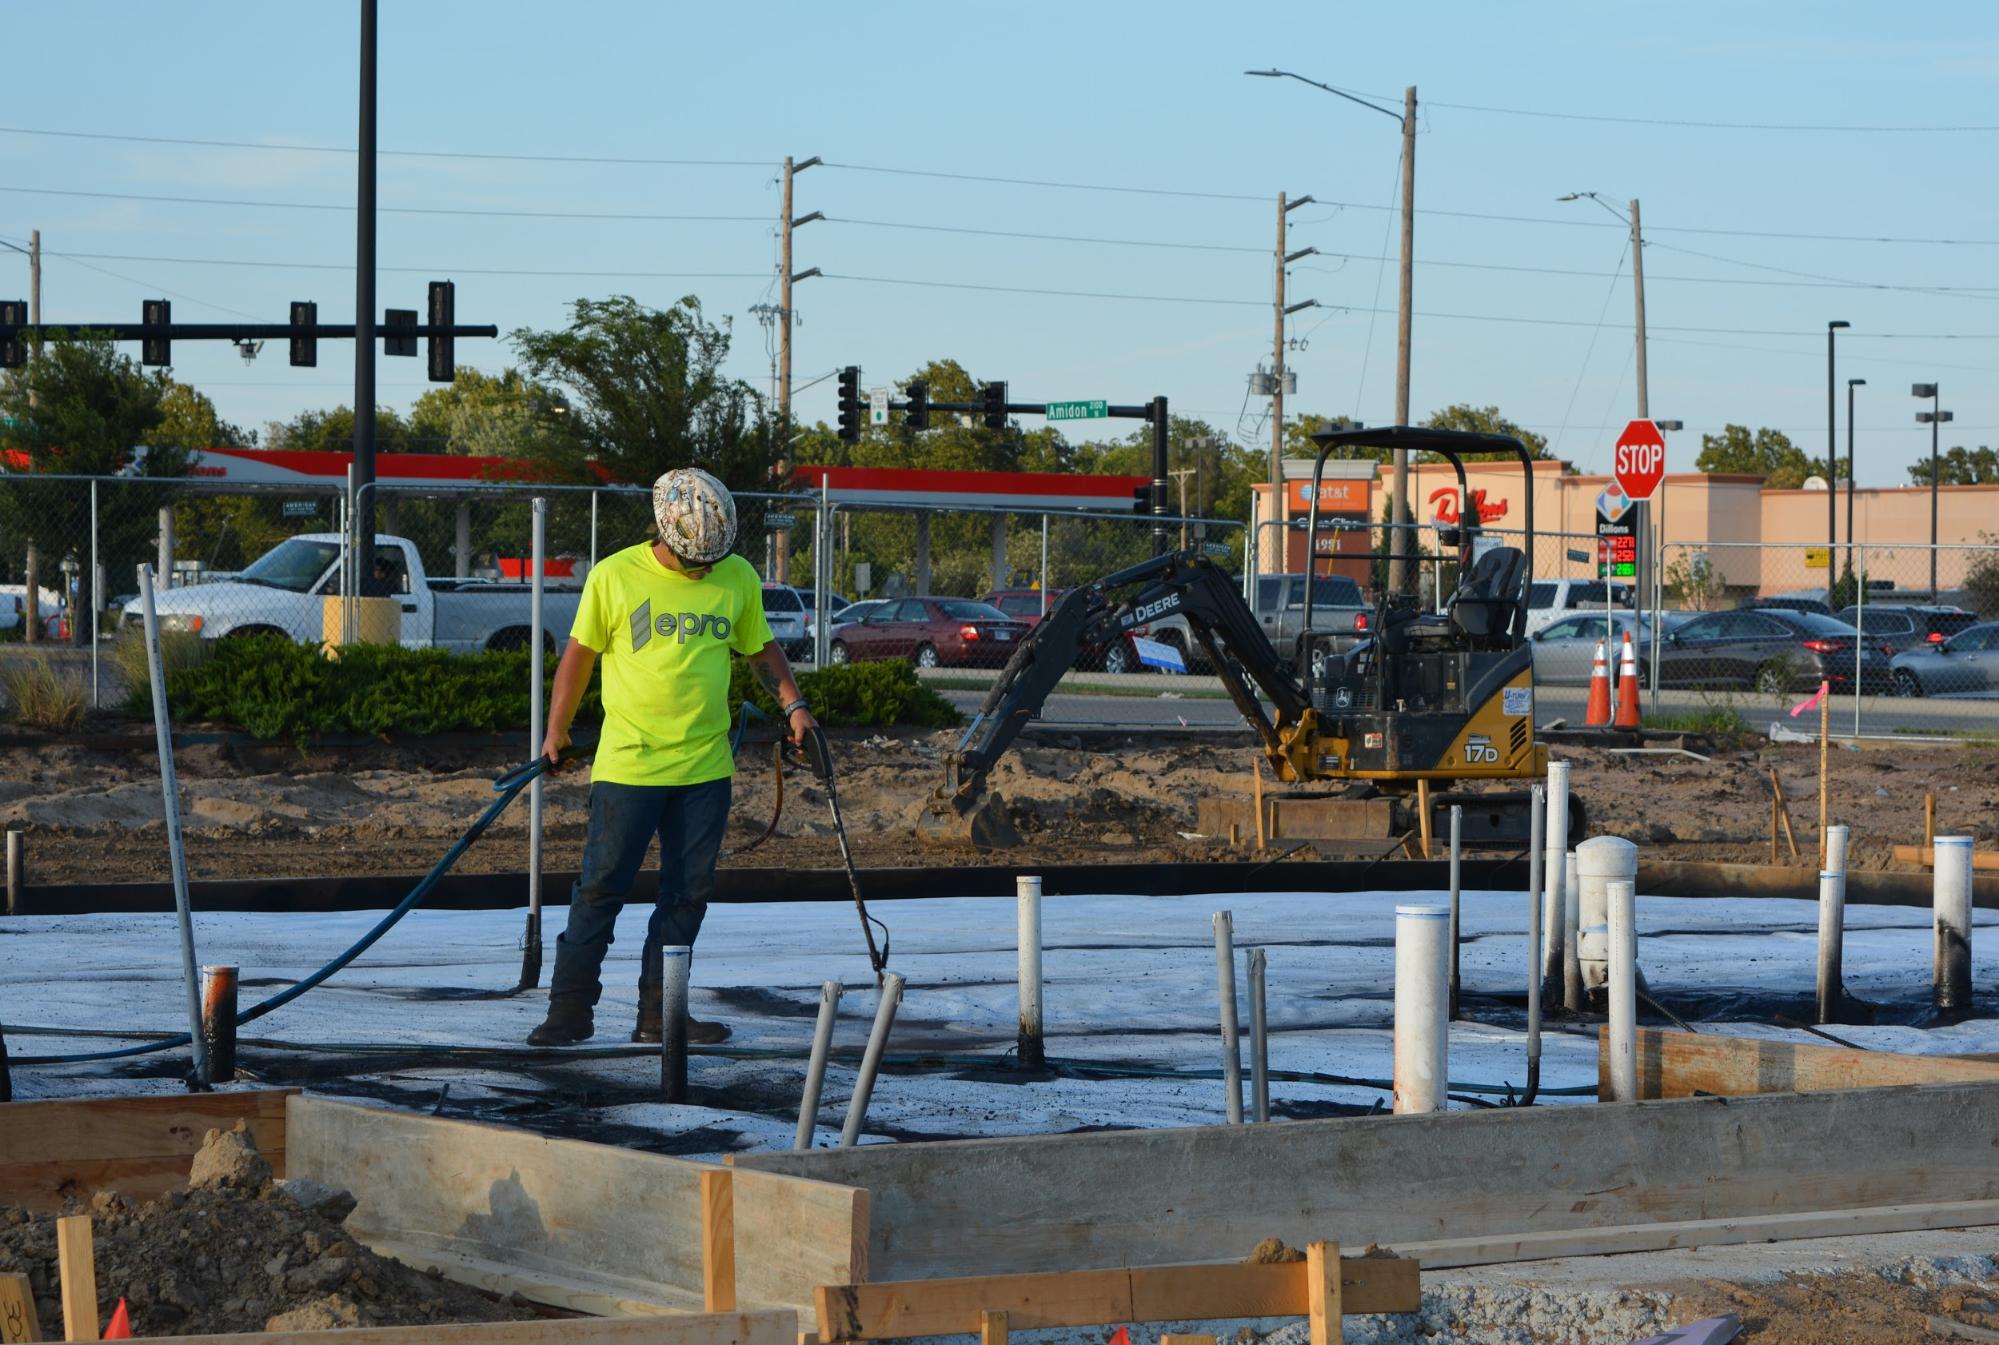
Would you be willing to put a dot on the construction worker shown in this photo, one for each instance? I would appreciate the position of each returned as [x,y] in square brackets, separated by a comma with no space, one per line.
[665,616]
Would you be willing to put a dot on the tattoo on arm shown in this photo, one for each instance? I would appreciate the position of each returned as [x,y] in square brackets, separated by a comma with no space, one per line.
[766,677]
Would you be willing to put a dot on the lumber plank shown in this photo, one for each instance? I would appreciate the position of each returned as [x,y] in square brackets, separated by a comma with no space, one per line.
[718,1242]
[623,1221]
[1449,1253]
[1925,856]
[1159,1197]
[76,1264]
[1684,1064]
[141,1146]
[1322,1293]
[18,1322]
[750,1328]
[572,1295]
[795,1234]
[898,1310]
[993,1329]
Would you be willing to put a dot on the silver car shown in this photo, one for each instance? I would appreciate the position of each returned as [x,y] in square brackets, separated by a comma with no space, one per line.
[1967,662]
[788,618]
[1565,650]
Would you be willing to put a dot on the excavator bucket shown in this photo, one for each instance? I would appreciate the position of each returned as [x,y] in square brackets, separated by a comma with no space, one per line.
[984,825]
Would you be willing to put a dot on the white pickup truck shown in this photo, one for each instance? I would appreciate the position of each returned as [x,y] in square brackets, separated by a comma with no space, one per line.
[283,592]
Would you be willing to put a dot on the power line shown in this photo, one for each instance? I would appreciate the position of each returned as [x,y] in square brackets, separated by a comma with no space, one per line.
[1046,182]
[387,209]
[285,147]
[417,270]
[1047,238]
[1682,121]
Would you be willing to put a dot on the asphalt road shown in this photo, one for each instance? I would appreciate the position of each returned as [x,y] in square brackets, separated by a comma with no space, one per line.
[1197,702]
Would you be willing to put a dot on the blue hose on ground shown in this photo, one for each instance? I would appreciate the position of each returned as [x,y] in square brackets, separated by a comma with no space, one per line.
[508,787]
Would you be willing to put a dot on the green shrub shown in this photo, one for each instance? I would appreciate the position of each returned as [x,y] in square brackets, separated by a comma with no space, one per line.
[178,649]
[854,695]
[273,688]
[40,695]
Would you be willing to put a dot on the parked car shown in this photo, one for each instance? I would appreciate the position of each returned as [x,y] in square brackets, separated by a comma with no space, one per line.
[1791,602]
[282,592]
[1967,661]
[1565,650]
[1025,604]
[930,633]
[1549,599]
[1278,601]
[1907,627]
[789,617]
[1770,649]
[851,614]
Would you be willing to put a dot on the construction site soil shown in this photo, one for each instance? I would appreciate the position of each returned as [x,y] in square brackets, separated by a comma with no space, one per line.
[91,807]
[235,1251]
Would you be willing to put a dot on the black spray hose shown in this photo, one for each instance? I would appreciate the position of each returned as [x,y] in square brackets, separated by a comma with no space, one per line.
[819,755]
[508,787]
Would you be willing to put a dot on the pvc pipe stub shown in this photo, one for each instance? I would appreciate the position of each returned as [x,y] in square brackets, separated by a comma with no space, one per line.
[1423,912]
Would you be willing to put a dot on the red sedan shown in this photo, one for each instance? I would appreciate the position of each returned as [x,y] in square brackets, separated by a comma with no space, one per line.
[931,633]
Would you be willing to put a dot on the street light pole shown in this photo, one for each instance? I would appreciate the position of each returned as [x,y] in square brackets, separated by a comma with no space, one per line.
[363,521]
[1831,458]
[1933,417]
[1400,534]
[1851,384]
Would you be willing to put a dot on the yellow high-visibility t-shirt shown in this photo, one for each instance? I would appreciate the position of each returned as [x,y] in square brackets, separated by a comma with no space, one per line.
[665,641]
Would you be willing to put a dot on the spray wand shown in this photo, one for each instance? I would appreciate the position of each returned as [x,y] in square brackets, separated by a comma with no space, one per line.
[819,757]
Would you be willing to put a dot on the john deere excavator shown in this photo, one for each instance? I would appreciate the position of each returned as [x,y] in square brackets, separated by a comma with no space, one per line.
[1428,702]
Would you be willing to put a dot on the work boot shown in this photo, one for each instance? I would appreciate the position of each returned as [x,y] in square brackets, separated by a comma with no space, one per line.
[567,1024]
[651,1019]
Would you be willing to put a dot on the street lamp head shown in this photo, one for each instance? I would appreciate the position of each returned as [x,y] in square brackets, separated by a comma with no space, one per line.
[1265,74]
[1856,382]
[1670,426]
[1922,390]
[1838,324]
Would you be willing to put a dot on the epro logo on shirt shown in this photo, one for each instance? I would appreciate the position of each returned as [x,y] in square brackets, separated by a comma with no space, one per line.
[681,627]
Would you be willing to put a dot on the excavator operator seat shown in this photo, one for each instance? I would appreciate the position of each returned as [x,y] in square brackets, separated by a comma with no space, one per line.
[1489,595]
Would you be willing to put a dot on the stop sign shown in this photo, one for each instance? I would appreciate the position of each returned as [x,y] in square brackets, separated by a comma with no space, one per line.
[1641,460]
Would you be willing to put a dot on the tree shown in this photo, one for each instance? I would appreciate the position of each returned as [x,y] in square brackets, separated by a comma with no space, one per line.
[1692,583]
[1981,577]
[646,394]
[1959,467]
[1485,420]
[1767,453]
[482,416]
[333,431]
[80,408]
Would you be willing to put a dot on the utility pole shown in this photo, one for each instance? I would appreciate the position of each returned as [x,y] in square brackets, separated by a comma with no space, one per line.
[1401,539]
[782,553]
[363,505]
[31,600]
[1180,475]
[1279,502]
[1642,579]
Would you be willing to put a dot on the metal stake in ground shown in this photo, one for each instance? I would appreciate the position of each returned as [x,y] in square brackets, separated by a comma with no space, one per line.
[1259,1040]
[815,1068]
[1231,1042]
[1952,971]
[675,963]
[176,852]
[1457,857]
[1537,810]
[1027,898]
[218,1021]
[531,936]
[871,1059]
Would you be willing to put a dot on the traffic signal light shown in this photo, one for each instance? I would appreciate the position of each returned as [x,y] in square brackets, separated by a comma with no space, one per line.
[1141,499]
[917,415]
[13,350]
[993,398]
[156,349]
[393,344]
[305,346]
[442,351]
[850,404]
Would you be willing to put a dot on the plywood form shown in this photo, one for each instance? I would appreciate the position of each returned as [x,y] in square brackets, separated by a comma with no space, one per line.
[142,1146]
[1686,1064]
[1210,1194]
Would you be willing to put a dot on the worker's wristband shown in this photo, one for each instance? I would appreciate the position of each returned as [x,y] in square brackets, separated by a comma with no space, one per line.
[795,707]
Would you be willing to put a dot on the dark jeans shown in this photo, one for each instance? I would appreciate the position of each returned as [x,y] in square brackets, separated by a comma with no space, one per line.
[689,821]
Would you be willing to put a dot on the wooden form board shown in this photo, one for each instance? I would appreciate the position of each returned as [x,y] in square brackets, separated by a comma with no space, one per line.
[586,1226]
[751,1328]
[1925,855]
[897,1311]
[1210,1194]
[1686,1064]
[142,1146]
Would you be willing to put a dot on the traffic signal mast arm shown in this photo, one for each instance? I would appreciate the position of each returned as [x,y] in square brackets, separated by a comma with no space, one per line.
[1183,583]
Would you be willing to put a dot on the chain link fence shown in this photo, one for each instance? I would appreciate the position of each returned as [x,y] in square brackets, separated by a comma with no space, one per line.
[1906,635]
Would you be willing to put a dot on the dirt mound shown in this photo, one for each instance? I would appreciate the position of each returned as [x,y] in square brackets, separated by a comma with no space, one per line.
[237,1252]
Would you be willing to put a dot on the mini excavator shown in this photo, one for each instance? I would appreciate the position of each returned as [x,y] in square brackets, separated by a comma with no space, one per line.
[1427,703]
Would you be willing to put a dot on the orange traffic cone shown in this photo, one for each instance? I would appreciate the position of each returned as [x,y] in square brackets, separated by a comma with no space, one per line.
[1598,714]
[121,1323]
[1627,686]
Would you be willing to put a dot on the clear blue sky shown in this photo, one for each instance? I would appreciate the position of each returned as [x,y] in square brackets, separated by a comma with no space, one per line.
[1126,95]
